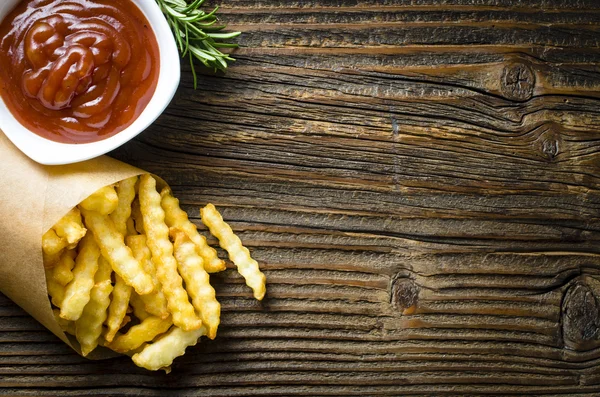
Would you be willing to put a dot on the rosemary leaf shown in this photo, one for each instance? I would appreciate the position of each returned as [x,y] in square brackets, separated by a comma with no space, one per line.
[195,33]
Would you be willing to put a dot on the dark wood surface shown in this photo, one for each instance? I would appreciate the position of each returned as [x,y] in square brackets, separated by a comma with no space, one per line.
[419,181]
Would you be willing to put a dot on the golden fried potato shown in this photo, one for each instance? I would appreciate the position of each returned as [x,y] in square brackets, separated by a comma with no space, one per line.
[63,271]
[161,353]
[130,225]
[112,245]
[55,290]
[175,217]
[118,308]
[197,281]
[155,303]
[70,228]
[157,234]
[239,255]
[160,265]
[88,328]
[126,194]
[77,292]
[139,334]
[52,248]
[104,201]
[138,306]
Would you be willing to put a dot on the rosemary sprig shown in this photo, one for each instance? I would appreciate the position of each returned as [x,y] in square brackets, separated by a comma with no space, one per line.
[196,34]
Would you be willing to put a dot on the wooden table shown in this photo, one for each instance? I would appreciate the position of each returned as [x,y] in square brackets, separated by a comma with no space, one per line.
[420,184]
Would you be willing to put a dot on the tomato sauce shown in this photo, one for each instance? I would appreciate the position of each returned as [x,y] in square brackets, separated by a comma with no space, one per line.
[77,71]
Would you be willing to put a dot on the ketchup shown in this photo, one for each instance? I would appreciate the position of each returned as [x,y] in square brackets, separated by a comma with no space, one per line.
[77,71]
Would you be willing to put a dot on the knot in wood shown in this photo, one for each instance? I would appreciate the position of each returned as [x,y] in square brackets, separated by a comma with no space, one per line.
[580,317]
[518,81]
[404,294]
[550,148]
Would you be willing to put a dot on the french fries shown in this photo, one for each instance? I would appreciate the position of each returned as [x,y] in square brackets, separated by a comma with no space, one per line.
[154,303]
[161,353]
[238,254]
[88,327]
[55,290]
[113,248]
[197,281]
[126,269]
[77,292]
[70,228]
[125,196]
[118,308]
[63,271]
[52,248]
[162,256]
[104,201]
[175,217]
[139,334]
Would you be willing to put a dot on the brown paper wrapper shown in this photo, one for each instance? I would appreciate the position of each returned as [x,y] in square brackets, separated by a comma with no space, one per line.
[33,198]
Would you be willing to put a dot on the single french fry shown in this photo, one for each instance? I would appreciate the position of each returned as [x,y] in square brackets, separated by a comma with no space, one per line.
[112,245]
[138,306]
[66,325]
[157,233]
[118,307]
[139,334]
[177,218]
[104,201]
[88,328]
[77,292]
[52,248]
[70,228]
[125,194]
[63,271]
[55,290]
[161,353]
[155,303]
[239,255]
[52,243]
[197,281]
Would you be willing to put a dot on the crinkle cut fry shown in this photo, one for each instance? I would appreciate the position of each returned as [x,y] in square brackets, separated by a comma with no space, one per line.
[70,227]
[197,281]
[52,248]
[155,303]
[88,328]
[55,290]
[77,292]
[139,334]
[239,255]
[161,353]
[177,218]
[157,233]
[118,307]
[63,271]
[103,201]
[112,245]
[126,195]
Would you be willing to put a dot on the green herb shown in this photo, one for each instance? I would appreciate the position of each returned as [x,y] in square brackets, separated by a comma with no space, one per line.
[196,34]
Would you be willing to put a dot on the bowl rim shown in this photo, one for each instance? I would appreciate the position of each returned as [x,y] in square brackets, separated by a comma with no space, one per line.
[48,152]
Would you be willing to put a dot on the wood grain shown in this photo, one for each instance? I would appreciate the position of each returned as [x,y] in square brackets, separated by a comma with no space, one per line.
[420,183]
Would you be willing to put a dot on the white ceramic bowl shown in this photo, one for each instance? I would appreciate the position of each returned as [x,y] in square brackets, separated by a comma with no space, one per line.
[48,152]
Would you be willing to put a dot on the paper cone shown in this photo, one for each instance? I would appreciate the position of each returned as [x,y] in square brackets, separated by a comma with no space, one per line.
[33,198]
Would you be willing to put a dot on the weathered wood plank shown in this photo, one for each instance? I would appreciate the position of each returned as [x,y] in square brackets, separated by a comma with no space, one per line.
[419,181]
